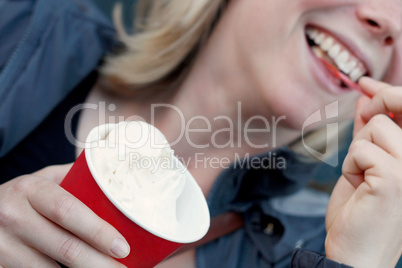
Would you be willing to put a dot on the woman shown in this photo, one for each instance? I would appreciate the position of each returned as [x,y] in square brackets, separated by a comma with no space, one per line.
[246,62]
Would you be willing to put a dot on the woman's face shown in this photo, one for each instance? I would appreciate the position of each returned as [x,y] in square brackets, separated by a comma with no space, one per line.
[280,43]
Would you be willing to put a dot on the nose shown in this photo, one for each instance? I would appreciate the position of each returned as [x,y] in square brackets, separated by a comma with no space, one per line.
[382,18]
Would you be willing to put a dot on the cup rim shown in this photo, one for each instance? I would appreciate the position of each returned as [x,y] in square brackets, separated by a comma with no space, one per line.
[202,228]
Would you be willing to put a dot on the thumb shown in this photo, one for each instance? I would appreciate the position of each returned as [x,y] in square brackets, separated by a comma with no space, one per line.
[370,86]
[54,173]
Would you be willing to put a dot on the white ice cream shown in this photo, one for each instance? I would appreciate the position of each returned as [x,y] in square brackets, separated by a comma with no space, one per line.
[137,167]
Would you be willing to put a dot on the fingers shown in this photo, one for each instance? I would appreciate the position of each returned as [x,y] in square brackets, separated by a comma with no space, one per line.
[374,153]
[63,246]
[15,255]
[54,173]
[385,98]
[340,195]
[359,122]
[383,132]
[374,148]
[31,209]
[62,208]
[370,86]
[365,162]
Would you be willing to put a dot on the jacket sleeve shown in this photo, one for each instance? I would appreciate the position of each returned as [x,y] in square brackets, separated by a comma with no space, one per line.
[14,20]
[308,259]
[49,47]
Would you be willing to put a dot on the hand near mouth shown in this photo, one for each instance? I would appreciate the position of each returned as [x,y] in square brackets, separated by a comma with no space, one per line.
[380,98]
[364,216]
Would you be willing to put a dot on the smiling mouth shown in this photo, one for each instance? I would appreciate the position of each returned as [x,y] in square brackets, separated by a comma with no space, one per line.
[331,50]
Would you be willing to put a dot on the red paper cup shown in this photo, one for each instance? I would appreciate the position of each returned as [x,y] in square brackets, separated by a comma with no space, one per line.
[148,247]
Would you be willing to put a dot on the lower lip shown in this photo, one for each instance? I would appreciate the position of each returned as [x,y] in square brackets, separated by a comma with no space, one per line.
[325,77]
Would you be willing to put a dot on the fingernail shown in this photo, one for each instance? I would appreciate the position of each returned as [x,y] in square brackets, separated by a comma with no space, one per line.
[120,248]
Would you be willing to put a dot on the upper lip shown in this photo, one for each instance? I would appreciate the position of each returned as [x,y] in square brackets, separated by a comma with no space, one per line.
[351,46]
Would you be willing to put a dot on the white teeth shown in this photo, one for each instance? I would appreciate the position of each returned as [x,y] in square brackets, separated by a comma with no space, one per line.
[334,51]
[342,67]
[349,66]
[355,74]
[342,58]
[318,40]
[318,52]
[327,44]
[337,52]
[313,33]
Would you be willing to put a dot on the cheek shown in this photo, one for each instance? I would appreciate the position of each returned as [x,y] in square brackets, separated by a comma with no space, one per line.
[393,75]
[317,4]
[297,102]
[261,23]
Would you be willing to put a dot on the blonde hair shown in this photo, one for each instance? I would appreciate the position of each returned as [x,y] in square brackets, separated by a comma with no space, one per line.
[167,35]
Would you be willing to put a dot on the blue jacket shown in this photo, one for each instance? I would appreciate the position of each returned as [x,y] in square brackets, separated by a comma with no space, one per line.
[47,47]
[284,220]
